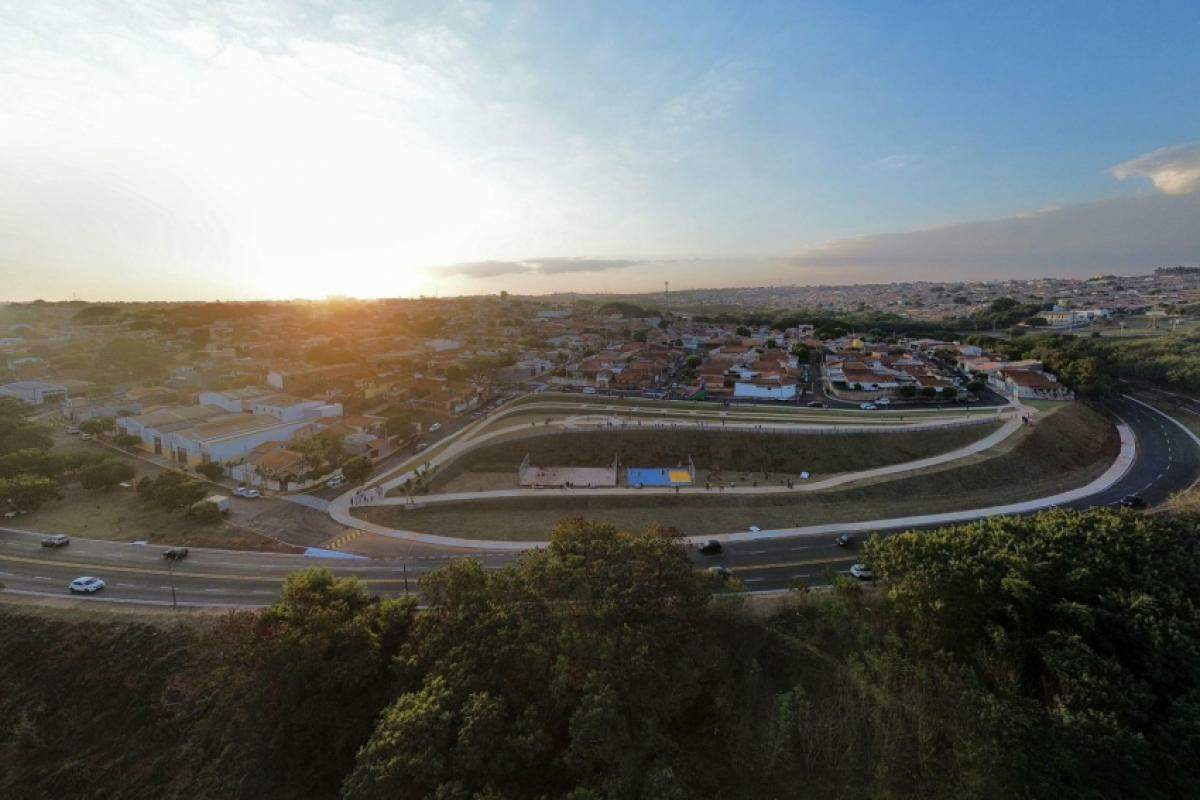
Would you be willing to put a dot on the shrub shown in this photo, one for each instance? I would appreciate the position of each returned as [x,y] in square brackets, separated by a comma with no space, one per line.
[211,470]
[205,512]
[106,474]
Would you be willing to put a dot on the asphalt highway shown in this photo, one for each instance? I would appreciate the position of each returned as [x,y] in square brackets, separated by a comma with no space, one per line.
[1167,461]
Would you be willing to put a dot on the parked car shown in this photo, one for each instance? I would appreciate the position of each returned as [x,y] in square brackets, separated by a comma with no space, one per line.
[435,427]
[87,437]
[58,540]
[420,446]
[862,572]
[73,430]
[247,492]
[845,540]
[711,548]
[1133,501]
[335,481]
[883,401]
[868,406]
[85,585]
[176,554]
[754,529]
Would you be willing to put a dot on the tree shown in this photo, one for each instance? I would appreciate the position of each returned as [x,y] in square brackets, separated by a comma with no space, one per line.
[126,440]
[772,344]
[207,511]
[210,469]
[171,490]
[357,469]
[585,659]
[106,474]
[17,432]
[28,492]
[97,425]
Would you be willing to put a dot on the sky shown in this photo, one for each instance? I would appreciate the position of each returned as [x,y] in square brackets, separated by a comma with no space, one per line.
[236,149]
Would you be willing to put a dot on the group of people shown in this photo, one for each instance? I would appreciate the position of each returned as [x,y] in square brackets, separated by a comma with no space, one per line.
[366,496]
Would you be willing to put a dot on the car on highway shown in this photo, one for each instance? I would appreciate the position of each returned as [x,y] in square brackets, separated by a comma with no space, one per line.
[420,446]
[176,554]
[862,572]
[868,406]
[85,585]
[1133,501]
[816,404]
[753,528]
[883,401]
[711,548]
[58,540]
[247,492]
[845,540]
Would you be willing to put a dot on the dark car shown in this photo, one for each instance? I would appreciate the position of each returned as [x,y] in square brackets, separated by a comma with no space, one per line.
[1133,501]
[845,540]
[176,554]
[711,548]
[58,540]
[816,404]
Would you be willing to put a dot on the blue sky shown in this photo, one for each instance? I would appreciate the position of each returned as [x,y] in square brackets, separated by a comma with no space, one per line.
[278,149]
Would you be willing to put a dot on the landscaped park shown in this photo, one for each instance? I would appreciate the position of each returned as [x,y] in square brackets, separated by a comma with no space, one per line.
[709,470]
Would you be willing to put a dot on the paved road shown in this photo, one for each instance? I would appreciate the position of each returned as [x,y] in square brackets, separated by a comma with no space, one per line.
[1167,461]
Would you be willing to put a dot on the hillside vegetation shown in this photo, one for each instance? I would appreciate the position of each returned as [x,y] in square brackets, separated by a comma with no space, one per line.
[1046,657]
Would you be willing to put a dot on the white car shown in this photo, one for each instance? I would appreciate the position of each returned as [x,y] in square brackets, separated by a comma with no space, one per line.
[435,427]
[247,492]
[85,585]
[862,572]
[335,481]
[754,529]
[868,406]
[883,401]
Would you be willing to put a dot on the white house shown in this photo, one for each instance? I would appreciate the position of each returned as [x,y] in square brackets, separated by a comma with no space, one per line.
[764,390]
[229,437]
[35,393]
[235,401]
[286,408]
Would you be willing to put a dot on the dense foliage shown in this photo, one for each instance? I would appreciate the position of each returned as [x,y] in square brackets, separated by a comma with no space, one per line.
[1044,657]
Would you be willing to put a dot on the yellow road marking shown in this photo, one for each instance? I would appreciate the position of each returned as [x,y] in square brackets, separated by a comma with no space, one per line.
[832,560]
[145,571]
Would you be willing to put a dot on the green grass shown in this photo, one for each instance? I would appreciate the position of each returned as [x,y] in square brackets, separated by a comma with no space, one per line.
[736,456]
[1043,460]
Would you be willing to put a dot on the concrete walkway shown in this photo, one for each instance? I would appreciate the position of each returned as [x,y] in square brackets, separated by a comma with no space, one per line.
[340,508]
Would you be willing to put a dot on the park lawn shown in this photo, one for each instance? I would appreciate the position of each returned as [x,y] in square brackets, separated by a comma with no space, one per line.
[722,456]
[119,515]
[1044,460]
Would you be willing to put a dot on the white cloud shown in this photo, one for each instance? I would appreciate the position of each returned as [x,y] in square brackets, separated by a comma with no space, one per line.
[1127,233]
[898,161]
[1172,170]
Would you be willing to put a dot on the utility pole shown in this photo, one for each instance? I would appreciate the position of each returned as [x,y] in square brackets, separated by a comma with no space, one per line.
[404,566]
[666,295]
[171,573]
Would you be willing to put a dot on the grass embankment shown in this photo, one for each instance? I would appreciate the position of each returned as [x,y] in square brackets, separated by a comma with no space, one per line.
[1038,461]
[726,457]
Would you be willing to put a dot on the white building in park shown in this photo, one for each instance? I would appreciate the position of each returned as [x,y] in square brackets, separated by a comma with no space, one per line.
[35,393]
[765,390]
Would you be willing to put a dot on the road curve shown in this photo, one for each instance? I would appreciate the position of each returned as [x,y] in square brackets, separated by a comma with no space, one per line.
[1166,460]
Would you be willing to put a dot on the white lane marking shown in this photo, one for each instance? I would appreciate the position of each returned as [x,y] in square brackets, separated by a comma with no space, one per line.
[754,552]
[40,578]
[216,591]
[752,580]
[125,585]
[801,547]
